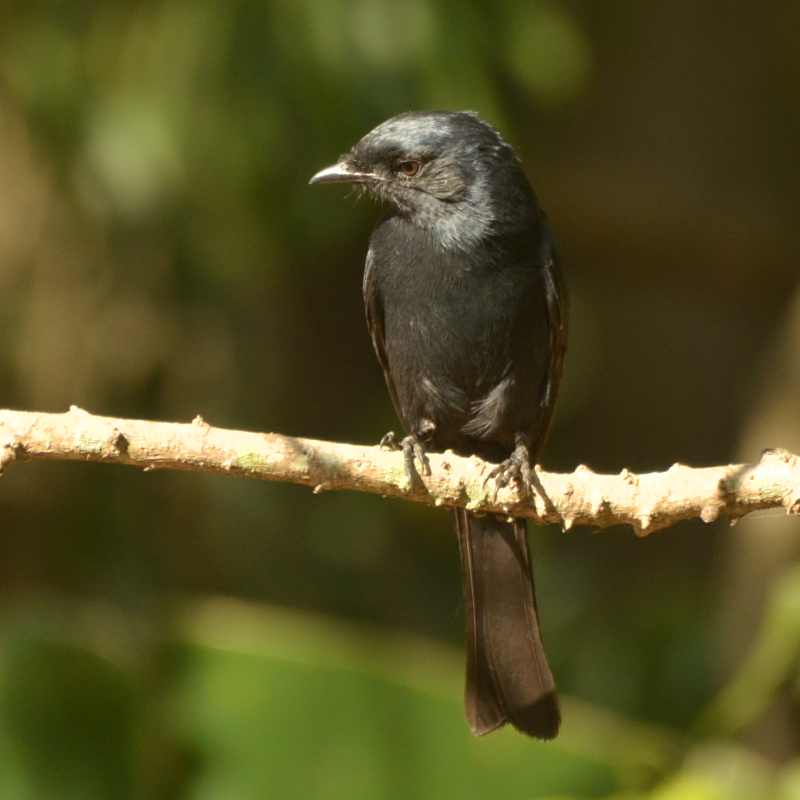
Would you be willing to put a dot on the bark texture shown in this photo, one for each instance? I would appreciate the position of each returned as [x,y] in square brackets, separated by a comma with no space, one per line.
[647,501]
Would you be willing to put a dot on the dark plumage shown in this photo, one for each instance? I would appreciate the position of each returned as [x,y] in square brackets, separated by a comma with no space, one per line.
[467,314]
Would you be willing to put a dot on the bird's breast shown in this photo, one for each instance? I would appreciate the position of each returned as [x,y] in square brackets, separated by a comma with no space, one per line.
[459,331]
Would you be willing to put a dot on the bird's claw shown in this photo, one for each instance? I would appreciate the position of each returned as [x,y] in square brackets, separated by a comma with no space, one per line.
[516,468]
[413,453]
[414,449]
[389,442]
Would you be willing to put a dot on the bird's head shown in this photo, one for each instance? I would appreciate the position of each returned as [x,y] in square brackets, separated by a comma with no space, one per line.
[449,172]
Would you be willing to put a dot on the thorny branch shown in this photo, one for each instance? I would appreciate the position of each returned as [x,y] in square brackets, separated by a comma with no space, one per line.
[647,502]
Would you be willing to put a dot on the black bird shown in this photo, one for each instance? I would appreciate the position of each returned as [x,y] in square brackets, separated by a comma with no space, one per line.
[467,313]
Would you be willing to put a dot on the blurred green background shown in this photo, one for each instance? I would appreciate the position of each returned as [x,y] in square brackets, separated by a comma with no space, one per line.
[186,636]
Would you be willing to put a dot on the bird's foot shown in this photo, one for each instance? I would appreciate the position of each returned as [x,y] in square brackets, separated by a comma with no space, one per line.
[516,468]
[413,451]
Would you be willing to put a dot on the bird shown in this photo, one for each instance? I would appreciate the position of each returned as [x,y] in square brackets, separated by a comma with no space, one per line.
[467,311]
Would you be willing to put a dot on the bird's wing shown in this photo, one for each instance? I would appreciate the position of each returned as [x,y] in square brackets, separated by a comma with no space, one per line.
[373,307]
[557,302]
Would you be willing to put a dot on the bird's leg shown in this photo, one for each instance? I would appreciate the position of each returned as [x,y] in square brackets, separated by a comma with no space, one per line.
[413,447]
[517,467]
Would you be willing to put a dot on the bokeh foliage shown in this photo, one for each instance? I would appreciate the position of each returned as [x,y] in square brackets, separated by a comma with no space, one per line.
[162,256]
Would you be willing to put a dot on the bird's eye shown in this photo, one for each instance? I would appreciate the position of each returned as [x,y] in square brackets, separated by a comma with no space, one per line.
[408,168]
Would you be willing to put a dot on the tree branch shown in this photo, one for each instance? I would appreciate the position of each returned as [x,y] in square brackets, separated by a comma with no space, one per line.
[647,502]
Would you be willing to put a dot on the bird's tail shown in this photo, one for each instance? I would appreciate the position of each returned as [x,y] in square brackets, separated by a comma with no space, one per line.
[508,678]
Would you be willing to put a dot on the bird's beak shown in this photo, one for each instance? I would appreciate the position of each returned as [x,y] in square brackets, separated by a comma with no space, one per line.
[341,172]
